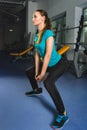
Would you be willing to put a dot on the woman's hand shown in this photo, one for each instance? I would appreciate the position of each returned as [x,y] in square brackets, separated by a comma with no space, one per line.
[39,77]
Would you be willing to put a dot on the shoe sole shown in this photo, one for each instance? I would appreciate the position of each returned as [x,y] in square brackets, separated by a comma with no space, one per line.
[60,127]
[33,95]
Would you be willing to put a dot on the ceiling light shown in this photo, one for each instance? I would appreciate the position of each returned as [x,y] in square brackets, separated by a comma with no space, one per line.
[10,30]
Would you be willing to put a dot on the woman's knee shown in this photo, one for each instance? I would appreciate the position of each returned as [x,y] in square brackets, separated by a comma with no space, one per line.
[47,84]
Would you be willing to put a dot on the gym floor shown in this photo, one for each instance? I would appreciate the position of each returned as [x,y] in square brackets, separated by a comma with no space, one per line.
[19,112]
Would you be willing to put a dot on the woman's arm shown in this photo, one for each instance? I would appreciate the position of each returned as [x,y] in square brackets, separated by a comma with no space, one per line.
[49,47]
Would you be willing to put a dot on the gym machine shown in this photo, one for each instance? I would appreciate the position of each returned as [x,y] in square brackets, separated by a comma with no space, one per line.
[78,65]
[80,53]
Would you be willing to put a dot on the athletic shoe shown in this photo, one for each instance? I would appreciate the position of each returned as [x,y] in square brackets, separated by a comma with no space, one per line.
[34,92]
[60,121]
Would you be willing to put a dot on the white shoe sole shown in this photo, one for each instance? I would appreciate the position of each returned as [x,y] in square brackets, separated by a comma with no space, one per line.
[60,127]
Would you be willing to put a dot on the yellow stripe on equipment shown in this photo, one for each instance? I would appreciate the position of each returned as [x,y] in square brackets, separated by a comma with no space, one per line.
[23,52]
[63,49]
[60,51]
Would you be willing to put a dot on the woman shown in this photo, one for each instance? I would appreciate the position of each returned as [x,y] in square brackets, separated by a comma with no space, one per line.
[47,61]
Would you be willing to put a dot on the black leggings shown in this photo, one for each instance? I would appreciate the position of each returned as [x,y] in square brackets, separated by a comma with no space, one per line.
[53,74]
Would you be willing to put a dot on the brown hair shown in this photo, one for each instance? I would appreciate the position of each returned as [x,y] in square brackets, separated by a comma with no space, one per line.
[47,23]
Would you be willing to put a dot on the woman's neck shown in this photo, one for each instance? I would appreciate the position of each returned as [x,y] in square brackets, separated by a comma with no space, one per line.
[41,27]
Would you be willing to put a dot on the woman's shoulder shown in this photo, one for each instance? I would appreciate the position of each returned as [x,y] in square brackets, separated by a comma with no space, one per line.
[48,32]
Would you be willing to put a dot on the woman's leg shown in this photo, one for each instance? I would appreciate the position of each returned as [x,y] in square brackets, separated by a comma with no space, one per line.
[30,72]
[54,73]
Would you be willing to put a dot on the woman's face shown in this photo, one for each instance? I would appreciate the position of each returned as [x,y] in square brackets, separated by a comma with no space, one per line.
[37,18]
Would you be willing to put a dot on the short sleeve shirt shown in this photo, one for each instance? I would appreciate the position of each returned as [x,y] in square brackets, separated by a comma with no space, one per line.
[41,48]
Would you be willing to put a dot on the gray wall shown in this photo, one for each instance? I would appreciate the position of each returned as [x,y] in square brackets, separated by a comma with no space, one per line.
[73,14]
[43,4]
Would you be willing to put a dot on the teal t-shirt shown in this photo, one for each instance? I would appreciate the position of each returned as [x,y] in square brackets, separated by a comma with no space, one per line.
[41,47]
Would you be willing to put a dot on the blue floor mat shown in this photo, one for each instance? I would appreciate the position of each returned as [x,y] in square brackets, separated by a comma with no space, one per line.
[19,112]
